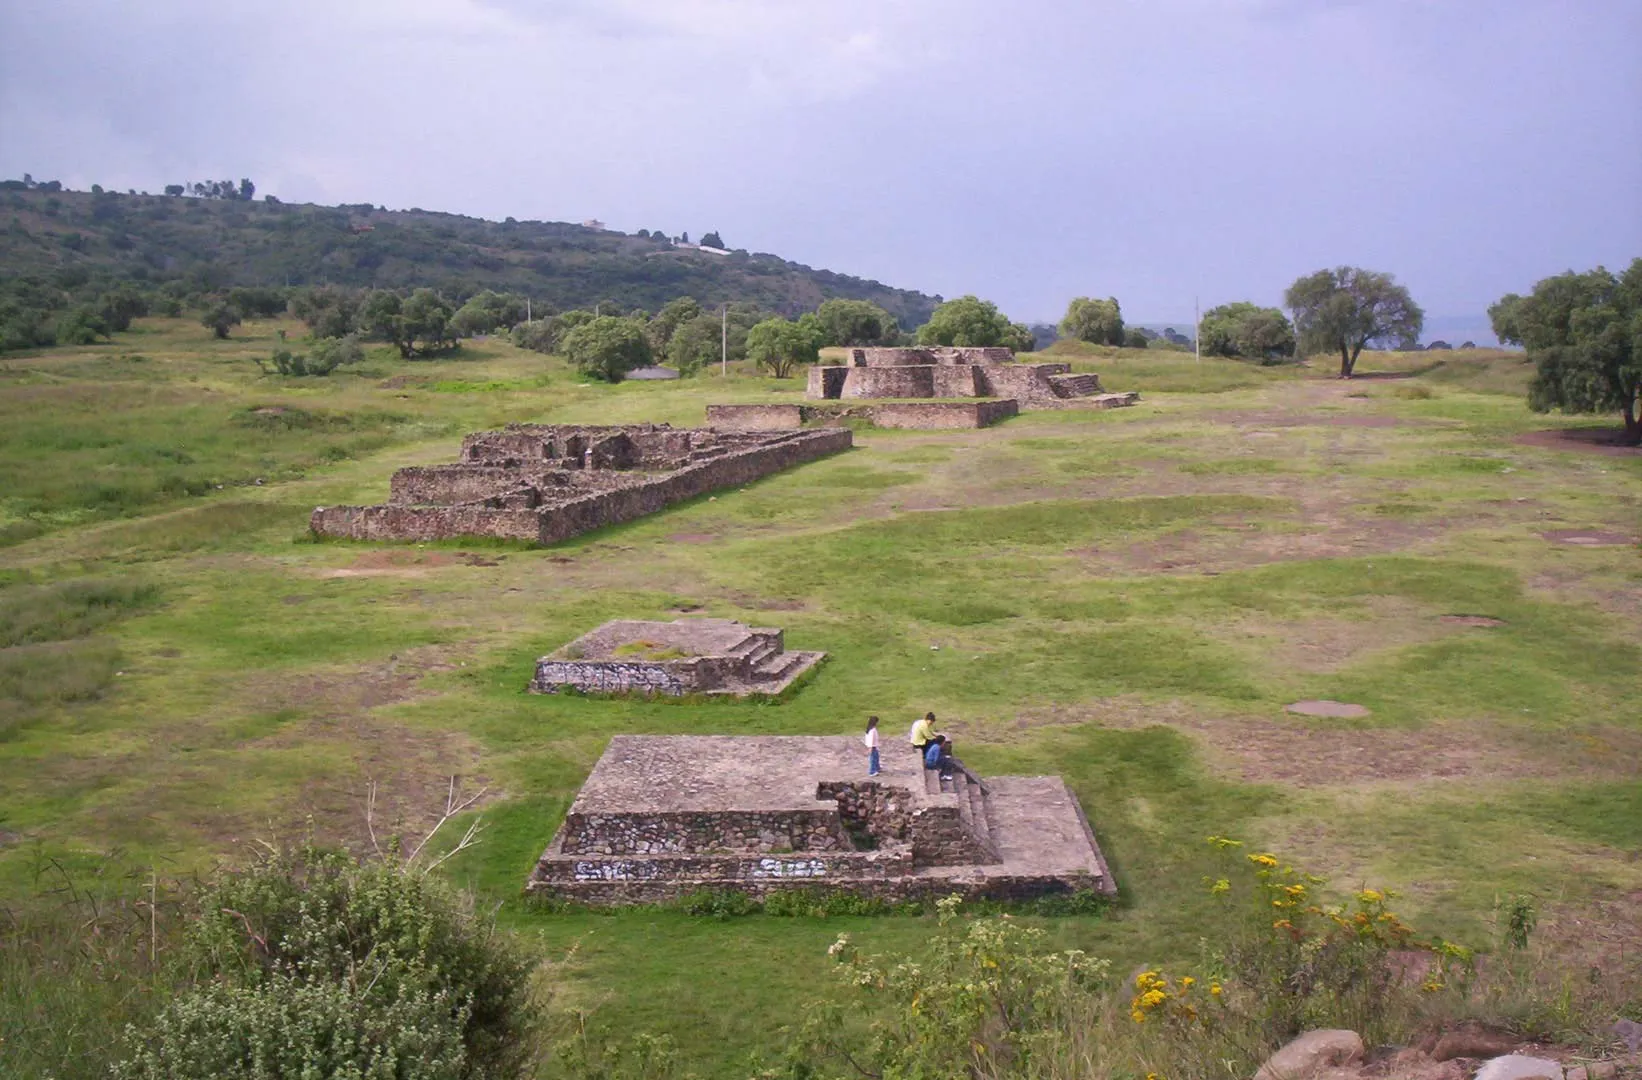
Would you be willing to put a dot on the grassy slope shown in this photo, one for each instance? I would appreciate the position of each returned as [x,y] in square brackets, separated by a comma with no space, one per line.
[1126,598]
[235,243]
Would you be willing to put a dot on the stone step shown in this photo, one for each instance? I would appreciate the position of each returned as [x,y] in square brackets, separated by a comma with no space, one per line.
[777,666]
[1080,385]
[932,780]
[1115,401]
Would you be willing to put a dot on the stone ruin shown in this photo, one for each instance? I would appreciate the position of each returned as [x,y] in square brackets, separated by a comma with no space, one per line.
[686,656]
[664,816]
[952,372]
[926,387]
[544,483]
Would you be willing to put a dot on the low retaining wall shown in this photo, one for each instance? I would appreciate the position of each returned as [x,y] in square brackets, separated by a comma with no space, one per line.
[701,832]
[917,415]
[777,873]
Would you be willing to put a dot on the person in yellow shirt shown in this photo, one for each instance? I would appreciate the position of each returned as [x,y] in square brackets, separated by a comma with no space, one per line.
[923,733]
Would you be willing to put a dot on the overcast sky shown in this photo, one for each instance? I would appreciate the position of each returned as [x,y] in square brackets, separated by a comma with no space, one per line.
[1028,151]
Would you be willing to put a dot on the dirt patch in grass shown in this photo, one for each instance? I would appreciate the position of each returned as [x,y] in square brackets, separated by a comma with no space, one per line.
[1605,441]
[1328,643]
[406,562]
[1588,537]
[694,538]
[1323,754]
[1473,620]
[1270,418]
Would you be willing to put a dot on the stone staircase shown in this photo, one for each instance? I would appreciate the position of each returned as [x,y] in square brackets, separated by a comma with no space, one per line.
[1074,386]
[974,808]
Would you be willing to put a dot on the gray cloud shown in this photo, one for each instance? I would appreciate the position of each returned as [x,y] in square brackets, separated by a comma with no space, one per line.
[1158,151]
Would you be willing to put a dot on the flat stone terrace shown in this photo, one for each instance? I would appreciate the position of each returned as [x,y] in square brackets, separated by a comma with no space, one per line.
[545,483]
[685,656]
[945,373]
[663,816]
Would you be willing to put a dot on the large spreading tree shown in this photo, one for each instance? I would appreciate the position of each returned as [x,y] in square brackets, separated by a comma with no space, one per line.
[1099,322]
[970,321]
[1584,334]
[1246,331]
[1344,309]
[607,347]
[779,346]
[856,322]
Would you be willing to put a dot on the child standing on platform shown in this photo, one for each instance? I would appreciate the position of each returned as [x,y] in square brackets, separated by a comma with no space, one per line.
[870,740]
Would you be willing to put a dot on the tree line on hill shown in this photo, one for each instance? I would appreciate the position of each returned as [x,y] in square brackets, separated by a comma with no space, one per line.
[61,251]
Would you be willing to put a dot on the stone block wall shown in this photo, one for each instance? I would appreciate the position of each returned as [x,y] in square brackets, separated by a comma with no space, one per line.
[940,838]
[825,382]
[700,833]
[663,877]
[423,523]
[927,354]
[933,415]
[757,417]
[884,812]
[446,484]
[889,382]
[610,677]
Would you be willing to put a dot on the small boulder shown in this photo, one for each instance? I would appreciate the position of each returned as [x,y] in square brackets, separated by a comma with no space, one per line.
[1309,1054]
[1520,1067]
[1474,1042]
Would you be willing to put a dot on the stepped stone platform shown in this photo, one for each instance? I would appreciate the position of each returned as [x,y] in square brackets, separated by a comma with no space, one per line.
[544,483]
[950,372]
[686,656]
[663,816]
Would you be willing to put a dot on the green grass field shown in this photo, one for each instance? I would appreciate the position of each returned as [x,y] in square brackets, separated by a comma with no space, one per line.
[1127,598]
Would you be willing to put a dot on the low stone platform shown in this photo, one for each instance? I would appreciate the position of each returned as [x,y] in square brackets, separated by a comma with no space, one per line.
[664,816]
[913,415]
[542,483]
[686,656]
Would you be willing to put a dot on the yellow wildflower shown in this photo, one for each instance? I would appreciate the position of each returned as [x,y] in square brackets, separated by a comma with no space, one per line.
[1265,860]
[1151,999]
[1138,1016]
[1214,988]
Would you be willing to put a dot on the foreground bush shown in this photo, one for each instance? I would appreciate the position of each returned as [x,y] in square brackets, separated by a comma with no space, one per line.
[317,966]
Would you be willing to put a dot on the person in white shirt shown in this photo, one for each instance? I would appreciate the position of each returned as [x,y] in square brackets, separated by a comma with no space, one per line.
[870,740]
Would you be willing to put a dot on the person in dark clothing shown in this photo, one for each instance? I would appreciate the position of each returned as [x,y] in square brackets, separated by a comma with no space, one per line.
[938,755]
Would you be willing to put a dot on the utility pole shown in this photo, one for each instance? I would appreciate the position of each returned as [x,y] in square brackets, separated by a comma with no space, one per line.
[527,309]
[1197,330]
[724,341]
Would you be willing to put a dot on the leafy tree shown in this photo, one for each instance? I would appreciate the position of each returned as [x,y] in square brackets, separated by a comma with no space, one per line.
[1584,334]
[83,325]
[607,347]
[712,240]
[1247,331]
[329,311]
[778,346]
[486,311]
[221,317]
[969,321]
[247,190]
[174,189]
[1019,337]
[119,306]
[326,356]
[258,301]
[855,322]
[1503,316]
[1097,321]
[1135,338]
[695,344]
[667,321]
[1346,308]
[419,325]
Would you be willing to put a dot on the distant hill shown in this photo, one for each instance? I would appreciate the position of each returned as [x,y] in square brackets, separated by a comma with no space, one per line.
[213,243]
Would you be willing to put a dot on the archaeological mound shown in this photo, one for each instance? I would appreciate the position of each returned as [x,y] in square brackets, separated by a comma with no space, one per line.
[664,816]
[544,483]
[686,656]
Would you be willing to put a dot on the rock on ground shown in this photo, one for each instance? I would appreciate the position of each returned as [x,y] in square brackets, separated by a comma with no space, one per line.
[1520,1067]
[1304,1057]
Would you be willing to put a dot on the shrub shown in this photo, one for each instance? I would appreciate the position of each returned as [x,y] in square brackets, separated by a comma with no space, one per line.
[315,965]
[327,355]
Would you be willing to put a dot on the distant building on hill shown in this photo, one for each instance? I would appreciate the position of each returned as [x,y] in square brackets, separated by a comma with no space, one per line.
[594,223]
